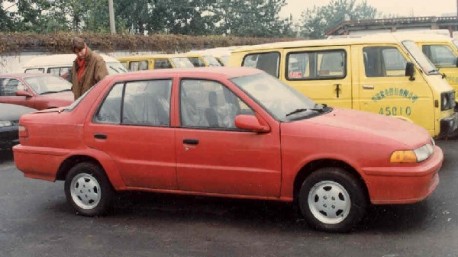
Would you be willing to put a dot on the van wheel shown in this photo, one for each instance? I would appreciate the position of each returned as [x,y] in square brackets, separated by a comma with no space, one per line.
[332,200]
[88,190]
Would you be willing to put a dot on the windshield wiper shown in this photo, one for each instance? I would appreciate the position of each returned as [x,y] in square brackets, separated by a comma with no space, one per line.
[320,109]
[68,89]
[296,111]
[48,92]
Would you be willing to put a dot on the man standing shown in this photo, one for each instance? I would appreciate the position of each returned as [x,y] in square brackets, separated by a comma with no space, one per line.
[88,68]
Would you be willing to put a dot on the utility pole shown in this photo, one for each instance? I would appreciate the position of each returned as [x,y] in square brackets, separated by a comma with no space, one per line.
[112,20]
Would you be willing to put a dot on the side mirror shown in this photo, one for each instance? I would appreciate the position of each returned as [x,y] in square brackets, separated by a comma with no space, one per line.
[410,71]
[23,93]
[251,123]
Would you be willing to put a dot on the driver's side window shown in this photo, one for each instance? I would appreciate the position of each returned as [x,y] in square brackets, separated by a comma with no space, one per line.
[9,87]
[209,104]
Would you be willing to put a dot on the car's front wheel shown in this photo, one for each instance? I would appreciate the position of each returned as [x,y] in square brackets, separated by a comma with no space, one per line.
[333,200]
[88,189]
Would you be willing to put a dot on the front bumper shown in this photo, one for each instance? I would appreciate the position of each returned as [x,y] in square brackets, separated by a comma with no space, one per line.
[449,127]
[404,184]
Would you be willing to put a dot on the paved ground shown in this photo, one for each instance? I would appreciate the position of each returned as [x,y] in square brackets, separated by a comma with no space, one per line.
[35,220]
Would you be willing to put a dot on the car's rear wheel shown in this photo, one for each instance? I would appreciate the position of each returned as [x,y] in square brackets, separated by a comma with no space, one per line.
[88,189]
[332,200]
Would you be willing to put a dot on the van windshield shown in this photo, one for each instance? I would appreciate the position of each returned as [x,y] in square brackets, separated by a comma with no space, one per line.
[279,99]
[426,65]
[115,67]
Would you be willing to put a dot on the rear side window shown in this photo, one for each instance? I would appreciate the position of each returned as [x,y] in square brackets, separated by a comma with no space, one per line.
[316,65]
[144,103]
[268,62]
[383,62]
[35,70]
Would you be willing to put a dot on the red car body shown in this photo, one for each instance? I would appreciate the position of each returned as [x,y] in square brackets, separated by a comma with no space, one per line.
[261,158]
[31,90]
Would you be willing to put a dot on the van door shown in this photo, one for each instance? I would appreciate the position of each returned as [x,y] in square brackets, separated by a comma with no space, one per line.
[321,73]
[383,88]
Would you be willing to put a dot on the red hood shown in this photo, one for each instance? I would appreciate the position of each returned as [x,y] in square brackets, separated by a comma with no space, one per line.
[354,125]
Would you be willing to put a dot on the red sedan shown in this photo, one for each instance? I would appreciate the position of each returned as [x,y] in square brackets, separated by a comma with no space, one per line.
[38,91]
[228,132]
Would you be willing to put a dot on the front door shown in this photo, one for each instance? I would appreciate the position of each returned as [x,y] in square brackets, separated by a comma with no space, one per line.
[213,156]
[383,88]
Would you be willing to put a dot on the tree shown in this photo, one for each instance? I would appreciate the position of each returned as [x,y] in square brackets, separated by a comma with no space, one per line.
[252,18]
[6,19]
[319,19]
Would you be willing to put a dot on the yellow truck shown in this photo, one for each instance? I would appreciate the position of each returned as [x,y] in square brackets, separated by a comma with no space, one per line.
[380,75]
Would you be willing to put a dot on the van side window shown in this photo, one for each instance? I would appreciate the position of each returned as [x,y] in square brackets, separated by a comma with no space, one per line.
[440,55]
[35,70]
[316,65]
[138,65]
[383,62]
[268,62]
[162,64]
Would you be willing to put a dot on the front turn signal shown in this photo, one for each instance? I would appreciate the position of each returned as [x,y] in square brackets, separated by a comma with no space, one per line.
[403,157]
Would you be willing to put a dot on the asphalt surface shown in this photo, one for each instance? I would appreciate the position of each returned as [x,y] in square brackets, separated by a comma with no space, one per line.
[35,220]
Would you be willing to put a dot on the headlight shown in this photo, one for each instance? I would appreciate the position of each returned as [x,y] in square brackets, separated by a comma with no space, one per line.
[5,123]
[447,100]
[410,156]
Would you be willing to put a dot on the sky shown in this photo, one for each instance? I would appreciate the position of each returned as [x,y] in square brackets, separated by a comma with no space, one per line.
[401,8]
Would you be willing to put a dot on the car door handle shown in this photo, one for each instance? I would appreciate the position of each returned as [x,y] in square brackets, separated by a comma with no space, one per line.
[100,136]
[191,141]
[368,86]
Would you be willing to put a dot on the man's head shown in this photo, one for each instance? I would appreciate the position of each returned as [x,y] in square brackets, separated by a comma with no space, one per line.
[79,47]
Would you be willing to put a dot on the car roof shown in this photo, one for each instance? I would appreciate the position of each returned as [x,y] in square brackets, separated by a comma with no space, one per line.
[148,56]
[25,75]
[204,72]
[58,60]
[388,39]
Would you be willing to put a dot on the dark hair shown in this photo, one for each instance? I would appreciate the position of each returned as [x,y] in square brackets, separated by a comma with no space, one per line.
[78,44]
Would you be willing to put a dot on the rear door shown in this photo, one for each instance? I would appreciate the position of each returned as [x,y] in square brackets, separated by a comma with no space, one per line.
[132,126]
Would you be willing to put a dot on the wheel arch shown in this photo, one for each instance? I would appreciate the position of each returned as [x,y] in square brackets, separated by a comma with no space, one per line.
[315,165]
[104,162]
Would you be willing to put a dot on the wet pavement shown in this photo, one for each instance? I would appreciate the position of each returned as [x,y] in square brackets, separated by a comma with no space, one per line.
[35,220]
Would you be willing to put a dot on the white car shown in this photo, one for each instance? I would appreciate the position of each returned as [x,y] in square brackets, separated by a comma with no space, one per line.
[61,65]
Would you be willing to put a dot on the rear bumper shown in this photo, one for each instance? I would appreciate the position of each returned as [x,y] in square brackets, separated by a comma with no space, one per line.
[38,162]
[401,185]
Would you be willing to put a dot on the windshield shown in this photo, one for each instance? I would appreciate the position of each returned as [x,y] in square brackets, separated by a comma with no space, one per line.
[426,65]
[280,100]
[182,62]
[115,67]
[48,84]
[211,60]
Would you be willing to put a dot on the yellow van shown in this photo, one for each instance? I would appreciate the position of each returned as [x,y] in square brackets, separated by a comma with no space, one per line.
[378,75]
[199,59]
[441,51]
[156,61]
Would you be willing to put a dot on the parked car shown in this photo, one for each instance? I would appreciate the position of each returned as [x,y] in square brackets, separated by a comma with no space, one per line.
[9,120]
[228,132]
[38,91]
[61,65]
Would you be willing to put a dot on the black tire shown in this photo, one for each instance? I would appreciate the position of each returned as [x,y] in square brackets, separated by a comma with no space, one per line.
[88,189]
[332,200]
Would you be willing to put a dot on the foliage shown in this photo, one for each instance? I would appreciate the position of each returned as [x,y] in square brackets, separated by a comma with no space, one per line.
[316,21]
[61,42]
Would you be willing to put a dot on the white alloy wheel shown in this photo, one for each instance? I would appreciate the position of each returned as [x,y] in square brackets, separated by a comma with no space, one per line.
[329,202]
[85,191]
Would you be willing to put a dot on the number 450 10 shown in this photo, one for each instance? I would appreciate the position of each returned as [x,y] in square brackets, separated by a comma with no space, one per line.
[395,111]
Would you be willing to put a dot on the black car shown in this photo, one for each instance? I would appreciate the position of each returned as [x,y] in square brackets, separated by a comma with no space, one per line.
[9,120]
